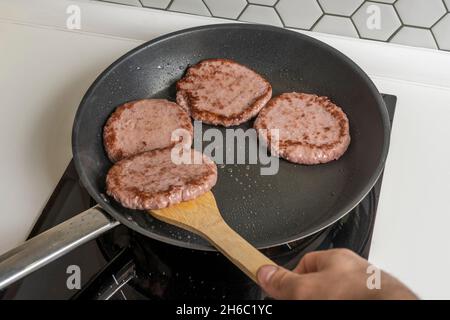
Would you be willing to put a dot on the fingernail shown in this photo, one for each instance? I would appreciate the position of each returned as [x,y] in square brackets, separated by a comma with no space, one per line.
[265,273]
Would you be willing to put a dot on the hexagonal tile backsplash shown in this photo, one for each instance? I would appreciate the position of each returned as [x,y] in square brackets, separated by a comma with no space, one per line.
[420,23]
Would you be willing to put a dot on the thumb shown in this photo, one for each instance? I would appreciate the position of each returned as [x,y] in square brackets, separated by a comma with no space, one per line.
[280,283]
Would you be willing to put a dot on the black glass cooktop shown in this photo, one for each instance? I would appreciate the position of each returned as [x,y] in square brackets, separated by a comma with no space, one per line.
[122,264]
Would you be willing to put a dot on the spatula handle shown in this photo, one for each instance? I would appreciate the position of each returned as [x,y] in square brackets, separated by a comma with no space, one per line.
[236,249]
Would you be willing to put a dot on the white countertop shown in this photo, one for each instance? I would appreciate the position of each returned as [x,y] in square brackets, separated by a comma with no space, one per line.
[45,70]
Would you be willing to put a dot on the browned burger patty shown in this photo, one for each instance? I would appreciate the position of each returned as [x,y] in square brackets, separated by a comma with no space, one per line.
[312,129]
[222,92]
[143,125]
[151,180]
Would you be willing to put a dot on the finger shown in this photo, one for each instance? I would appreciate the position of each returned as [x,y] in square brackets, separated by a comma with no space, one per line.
[320,260]
[280,283]
[309,263]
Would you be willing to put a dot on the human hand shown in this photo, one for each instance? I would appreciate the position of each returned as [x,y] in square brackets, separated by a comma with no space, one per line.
[332,274]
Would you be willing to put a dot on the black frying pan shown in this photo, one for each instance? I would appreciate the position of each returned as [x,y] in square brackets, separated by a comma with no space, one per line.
[299,200]
[295,203]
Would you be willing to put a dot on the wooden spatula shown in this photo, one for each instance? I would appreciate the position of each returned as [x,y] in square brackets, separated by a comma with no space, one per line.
[202,217]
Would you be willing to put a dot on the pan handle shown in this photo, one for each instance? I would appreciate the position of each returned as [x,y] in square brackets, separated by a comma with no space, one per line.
[53,243]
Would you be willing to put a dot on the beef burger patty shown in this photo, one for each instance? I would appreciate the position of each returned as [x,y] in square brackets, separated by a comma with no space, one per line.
[222,92]
[143,125]
[312,129]
[151,180]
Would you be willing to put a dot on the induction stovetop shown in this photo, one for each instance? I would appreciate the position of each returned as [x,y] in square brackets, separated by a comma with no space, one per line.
[122,264]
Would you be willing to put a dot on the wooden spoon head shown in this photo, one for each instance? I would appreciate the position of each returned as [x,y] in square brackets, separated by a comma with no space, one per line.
[202,216]
[195,215]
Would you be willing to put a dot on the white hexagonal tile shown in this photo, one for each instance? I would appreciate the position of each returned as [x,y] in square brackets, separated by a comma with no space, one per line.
[416,37]
[441,32]
[387,1]
[376,21]
[260,14]
[126,2]
[336,25]
[226,9]
[190,6]
[263,2]
[447,4]
[299,13]
[160,4]
[342,7]
[421,13]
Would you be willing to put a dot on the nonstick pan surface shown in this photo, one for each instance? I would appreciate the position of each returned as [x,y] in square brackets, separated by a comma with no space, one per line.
[266,210]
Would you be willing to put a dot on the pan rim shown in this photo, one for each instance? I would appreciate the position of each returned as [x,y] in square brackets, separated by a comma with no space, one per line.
[87,183]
